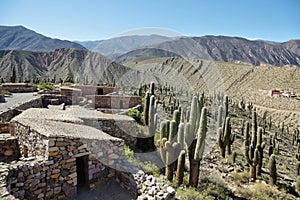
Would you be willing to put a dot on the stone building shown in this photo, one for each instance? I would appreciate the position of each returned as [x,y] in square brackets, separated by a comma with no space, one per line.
[65,155]
[18,87]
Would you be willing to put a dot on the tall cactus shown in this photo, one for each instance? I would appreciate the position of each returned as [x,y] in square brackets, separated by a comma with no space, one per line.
[180,168]
[272,169]
[169,161]
[220,118]
[251,153]
[180,136]
[198,149]
[242,126]
[254,126]
[297,185]
[260,146]
[152,123]
[226,106]
[146,108]
[298,160]
[271,145]
[188,137]
[193,115]
[295,136]
[152,88]
[224,137]
[176,116]
[170,150]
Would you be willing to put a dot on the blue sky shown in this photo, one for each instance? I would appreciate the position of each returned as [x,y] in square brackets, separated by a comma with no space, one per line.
[276,20]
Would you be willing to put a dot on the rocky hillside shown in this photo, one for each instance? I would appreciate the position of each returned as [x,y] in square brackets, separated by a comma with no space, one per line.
[233,49]
[68,64]
[21,38]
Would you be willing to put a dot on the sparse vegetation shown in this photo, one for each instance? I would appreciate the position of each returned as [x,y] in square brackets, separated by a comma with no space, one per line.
[136,115]
[46,86]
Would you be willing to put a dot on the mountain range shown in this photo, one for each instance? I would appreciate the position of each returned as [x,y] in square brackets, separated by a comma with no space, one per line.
[34,55]
[231,49]
[115,47]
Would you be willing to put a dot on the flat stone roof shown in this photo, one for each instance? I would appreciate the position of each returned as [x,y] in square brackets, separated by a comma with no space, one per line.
[53,122]
[52,128]
[75,114]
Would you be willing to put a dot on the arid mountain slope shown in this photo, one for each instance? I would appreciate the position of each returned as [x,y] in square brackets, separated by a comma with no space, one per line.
[233,49]
[21,38]
[79,65]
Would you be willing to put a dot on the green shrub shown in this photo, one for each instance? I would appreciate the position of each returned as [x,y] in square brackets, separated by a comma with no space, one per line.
[46,87]
[192,194]
[136,115]
[147,167]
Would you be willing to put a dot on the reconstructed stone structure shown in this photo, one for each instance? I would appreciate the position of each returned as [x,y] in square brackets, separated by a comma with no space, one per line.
[18,87]
[55,153]
[62,153]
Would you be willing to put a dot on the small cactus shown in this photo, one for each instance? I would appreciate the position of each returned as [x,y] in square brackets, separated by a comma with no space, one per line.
[272,169]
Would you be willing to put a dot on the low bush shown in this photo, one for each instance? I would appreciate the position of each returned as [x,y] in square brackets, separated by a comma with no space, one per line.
[136,115]
[46,87]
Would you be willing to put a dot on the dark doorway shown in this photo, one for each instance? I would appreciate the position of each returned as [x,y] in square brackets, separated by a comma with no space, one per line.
[25,151]
[82,173]
[100,91]
[121,104]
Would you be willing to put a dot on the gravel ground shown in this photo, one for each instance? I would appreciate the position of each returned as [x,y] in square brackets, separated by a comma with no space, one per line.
[15,99]
[109,191]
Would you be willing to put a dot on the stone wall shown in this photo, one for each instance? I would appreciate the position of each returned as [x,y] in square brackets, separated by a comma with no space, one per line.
[18,87]
[9,148]
[31,143]
[115,102]
[94,90]
[7,115]
[34,103]
[126,130]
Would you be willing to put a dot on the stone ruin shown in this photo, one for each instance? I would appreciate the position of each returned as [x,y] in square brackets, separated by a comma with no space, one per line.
[56,153]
